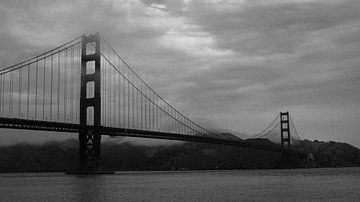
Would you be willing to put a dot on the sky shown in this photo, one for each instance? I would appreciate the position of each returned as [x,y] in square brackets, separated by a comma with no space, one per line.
[231,65]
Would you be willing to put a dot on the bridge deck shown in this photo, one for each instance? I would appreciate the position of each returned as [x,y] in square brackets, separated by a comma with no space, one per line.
[24,124]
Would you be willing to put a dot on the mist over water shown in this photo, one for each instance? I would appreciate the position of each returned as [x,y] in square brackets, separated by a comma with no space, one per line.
[333,184]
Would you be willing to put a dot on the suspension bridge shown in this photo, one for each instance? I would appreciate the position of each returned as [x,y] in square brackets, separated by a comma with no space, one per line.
[84,86]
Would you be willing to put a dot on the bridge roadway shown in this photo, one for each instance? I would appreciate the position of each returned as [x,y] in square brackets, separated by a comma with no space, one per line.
[15,123]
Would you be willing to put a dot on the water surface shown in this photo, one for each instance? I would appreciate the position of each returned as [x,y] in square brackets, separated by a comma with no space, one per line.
[331,184]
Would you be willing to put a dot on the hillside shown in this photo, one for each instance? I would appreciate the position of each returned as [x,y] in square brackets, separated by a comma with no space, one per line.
[62,156]
[331,154]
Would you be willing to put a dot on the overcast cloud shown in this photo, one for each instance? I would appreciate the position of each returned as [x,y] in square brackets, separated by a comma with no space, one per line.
[226,64]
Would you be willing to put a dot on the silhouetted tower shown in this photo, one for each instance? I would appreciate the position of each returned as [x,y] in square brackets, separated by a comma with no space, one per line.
[90,104]
[285,129]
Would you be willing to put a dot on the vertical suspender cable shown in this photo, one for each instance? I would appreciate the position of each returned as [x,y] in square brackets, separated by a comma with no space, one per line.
[19,96]
[51,85]
[107,100]
[108,79]
[28,92]
[11,94]
[117,101]
[160,115]
[110,91]
[114,97]
[119,97]
[169,118]
[58,88]
[43,103]
[145,111]
[157,113]
[128,98]
[128,105]
[149,110]
[78,68]
[124,112]
[132,102]
[114,103]
[105,94]
[65,85]
[36,87]
[181,121]
[141,107]
[115,90]
[103,89]
[176,123]
[173,114]
[153,113]
[72,89]
[137,108]
[77,79]
[2,95]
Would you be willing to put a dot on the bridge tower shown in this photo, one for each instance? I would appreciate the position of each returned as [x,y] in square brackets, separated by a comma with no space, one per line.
[90,104]
[285,129]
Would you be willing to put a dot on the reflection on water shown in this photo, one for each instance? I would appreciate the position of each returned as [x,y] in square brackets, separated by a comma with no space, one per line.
[260,185]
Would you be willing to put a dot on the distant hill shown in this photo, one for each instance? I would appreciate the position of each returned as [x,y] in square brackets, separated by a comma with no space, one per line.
[261,141]
[242,136]
[63,156]
[331,154]
[231,136]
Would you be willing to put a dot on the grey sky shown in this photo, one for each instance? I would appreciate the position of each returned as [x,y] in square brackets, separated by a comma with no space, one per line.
[226,64]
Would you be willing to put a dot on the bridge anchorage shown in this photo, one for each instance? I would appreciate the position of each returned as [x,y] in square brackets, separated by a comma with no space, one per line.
[85,87]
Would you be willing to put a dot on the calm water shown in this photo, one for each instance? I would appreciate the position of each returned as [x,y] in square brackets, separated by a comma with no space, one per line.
[336,184]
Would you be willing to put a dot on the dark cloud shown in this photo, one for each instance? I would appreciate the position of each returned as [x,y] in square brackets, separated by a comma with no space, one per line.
[270,28]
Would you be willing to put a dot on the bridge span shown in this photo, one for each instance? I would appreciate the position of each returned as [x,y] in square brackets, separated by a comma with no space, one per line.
[85,87]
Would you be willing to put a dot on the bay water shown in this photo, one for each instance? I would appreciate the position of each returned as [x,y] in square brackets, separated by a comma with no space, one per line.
[321,184]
